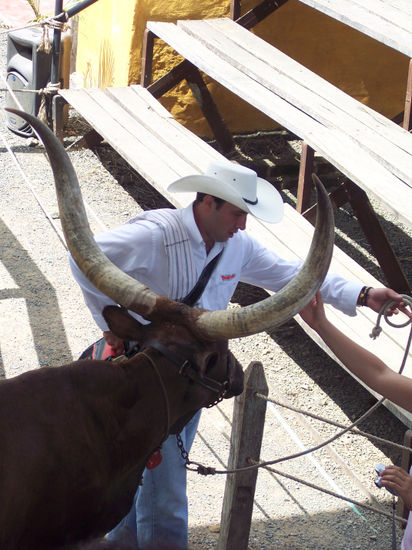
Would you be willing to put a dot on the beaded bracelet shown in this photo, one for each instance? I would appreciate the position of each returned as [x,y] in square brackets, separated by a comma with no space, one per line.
[363,295]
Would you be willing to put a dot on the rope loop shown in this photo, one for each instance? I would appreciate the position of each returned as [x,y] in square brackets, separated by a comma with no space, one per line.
[385,313]
[56,25]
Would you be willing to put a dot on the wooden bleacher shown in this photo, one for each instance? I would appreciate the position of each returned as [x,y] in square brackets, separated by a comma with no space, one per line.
[134,123]
[389,22]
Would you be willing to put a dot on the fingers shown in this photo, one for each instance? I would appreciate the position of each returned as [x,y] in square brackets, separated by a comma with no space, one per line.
[404,308]
[397,478]
[114,342]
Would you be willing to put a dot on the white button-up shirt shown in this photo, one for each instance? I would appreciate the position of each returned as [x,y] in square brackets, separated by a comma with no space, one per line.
[138,249]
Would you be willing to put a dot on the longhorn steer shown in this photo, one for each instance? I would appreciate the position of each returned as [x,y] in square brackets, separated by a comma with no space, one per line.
[74,440]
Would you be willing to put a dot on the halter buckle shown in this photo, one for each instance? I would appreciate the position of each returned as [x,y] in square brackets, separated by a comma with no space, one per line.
[184,368]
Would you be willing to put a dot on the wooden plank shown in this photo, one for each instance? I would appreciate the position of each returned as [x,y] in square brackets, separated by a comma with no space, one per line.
[160,165]
[156,123]
[369,23]
[135,152]
[148,137]
[280,62]
[308,92]
[396,15]
[153,104]
[404,5]
[335,147]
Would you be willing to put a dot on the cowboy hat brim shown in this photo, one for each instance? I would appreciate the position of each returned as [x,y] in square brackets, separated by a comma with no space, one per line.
[269,206]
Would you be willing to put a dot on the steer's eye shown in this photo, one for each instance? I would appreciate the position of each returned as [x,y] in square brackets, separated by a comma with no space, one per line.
[211,362]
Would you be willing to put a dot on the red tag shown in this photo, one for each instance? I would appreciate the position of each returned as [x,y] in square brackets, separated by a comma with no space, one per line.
[154,460]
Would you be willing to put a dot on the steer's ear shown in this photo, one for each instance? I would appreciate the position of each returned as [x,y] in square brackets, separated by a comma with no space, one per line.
[121,323]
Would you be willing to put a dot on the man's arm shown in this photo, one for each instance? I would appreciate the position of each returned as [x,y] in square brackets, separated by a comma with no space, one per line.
[264,268]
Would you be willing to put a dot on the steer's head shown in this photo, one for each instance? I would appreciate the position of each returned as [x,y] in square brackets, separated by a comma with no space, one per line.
[195,372]
[207,364]
[205,326]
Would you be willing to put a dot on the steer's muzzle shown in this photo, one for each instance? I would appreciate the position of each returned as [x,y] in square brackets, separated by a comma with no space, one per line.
[235,376]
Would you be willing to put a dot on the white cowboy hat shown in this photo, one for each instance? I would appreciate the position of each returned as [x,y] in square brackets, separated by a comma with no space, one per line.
[238,185]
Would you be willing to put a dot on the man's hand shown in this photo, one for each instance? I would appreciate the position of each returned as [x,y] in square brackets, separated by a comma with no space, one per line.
[114,342]
[377,297]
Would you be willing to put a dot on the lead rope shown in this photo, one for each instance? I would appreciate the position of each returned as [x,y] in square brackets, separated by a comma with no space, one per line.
[394,545]
[165,396]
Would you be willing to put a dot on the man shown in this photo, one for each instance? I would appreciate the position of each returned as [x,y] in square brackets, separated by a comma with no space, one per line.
[167,250]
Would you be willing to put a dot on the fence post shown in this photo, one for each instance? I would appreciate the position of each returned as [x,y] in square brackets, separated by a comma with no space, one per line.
[246,439]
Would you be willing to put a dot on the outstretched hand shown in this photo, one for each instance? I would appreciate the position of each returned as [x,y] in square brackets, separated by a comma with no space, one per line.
[378,297]
[398,479]
[314,313]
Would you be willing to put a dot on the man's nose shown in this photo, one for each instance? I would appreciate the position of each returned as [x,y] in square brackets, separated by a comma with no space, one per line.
[241,224]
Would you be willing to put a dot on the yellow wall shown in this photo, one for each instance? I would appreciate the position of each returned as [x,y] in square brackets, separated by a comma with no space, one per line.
[105,34]
[110,40]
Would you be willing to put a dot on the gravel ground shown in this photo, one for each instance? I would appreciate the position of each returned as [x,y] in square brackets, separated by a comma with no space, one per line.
[43,321]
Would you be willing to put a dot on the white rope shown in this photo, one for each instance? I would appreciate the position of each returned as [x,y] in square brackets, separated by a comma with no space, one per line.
[48,21]
[355,430]
[329,492]
[27,182]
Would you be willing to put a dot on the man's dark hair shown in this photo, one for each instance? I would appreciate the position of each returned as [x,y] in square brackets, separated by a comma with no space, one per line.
[201,196]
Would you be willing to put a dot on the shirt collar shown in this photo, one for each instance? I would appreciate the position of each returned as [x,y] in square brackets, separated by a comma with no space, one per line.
[194,233]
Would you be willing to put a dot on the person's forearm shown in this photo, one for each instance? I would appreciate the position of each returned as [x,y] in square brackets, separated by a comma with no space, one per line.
[358,360]
[367,367]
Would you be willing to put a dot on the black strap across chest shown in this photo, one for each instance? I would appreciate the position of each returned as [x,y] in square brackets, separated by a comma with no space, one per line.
[199,287]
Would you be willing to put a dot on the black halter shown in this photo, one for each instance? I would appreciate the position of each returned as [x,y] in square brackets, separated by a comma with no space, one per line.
[189,370]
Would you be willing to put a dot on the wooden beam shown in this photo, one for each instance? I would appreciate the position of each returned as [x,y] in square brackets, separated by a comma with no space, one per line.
[209,109]
[377,239]
[235,9]
[147,58]
[407,118]
[260,12]
[305,178]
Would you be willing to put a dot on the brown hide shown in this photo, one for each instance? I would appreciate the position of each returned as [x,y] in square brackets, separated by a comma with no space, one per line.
[74,439]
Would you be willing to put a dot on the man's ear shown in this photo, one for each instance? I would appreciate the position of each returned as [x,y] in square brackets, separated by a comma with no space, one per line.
[121,323]
[209,202]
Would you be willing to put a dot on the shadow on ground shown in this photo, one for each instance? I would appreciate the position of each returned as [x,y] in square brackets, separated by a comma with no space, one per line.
[40,299]
[322,531]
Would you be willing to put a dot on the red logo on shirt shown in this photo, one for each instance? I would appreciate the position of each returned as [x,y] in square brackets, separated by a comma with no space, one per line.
[228,277]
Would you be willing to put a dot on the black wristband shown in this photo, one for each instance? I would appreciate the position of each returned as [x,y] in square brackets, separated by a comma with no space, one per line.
[363,295]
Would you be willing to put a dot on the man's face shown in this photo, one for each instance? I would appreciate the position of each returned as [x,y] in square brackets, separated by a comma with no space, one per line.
[225,221]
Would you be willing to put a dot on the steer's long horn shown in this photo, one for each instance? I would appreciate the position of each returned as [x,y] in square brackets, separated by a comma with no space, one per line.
[131,294]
